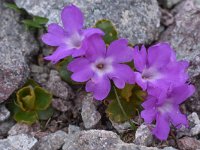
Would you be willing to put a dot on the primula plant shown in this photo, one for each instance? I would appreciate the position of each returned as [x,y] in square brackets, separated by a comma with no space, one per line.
[32,104]
[128,78]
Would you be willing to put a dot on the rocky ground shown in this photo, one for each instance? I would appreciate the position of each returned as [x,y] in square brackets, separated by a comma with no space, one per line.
[79,122]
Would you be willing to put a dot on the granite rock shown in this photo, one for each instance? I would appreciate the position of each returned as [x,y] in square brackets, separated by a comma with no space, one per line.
[101,140]
[4,113]
[61,105]
[19,128]
[16,44]
[89,113]
[194,126]
[121,127]
[188,143]
[73,129]
[143,136]
[58,87]
[5,127]
[52,141]
[137,20]
[18,142]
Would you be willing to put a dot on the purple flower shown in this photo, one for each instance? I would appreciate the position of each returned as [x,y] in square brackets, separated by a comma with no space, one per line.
[164,108]
[100,65]
[72,40]
[158,67]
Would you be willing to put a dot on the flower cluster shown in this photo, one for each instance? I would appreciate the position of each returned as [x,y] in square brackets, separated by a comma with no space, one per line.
[165,80]
[156,69]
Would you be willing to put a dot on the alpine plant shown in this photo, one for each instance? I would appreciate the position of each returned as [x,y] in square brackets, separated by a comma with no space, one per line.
[156,69]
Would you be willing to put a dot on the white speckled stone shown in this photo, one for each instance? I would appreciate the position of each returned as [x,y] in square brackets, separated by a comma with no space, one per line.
[137,20]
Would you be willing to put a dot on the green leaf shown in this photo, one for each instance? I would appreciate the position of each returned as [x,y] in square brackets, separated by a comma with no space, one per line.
[63,72]
[109,30]
[32,103]
[35,22]
[45,114]
[130,98]
[40,20]
[42,98]
[12,107]
[25,117]
[115,113]
[26,98]
[31,23]
[32,83]
[12,6]
[127,92]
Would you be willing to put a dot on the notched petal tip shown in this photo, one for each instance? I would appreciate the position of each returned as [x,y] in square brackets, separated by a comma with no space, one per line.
[72,18]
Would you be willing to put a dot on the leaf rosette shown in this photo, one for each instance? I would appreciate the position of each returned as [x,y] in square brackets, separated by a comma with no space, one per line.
[32,103]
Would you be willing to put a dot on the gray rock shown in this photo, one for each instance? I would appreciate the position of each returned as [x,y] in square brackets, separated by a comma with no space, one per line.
[18,142]
[77,107]
[184,36]
[121,127]
[126,146]
[61,105]
[52,141]
[167,18]
[36,69]
[188,143]
[57,87]
[169,3]
[100,140]
[137,20]
[22,141]
[4,113]
[19,128]
[92,140]
[40,78]
[5,145]
[169,148]
[194,126]
[143,136]
[5,127]
[73,129]
[16,44]
[89,113]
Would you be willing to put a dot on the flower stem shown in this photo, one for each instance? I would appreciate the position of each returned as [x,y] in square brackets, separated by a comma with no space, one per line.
[122,109]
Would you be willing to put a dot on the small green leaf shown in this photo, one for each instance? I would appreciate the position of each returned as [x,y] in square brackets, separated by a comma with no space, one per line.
[109,30]
[26,98]
[130,98]
[13,6]
[31,23]
[42,98]
[35,22]
[45,114]
[64,73]
[40,20]
[25,117]
[32,83]
[12,106]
